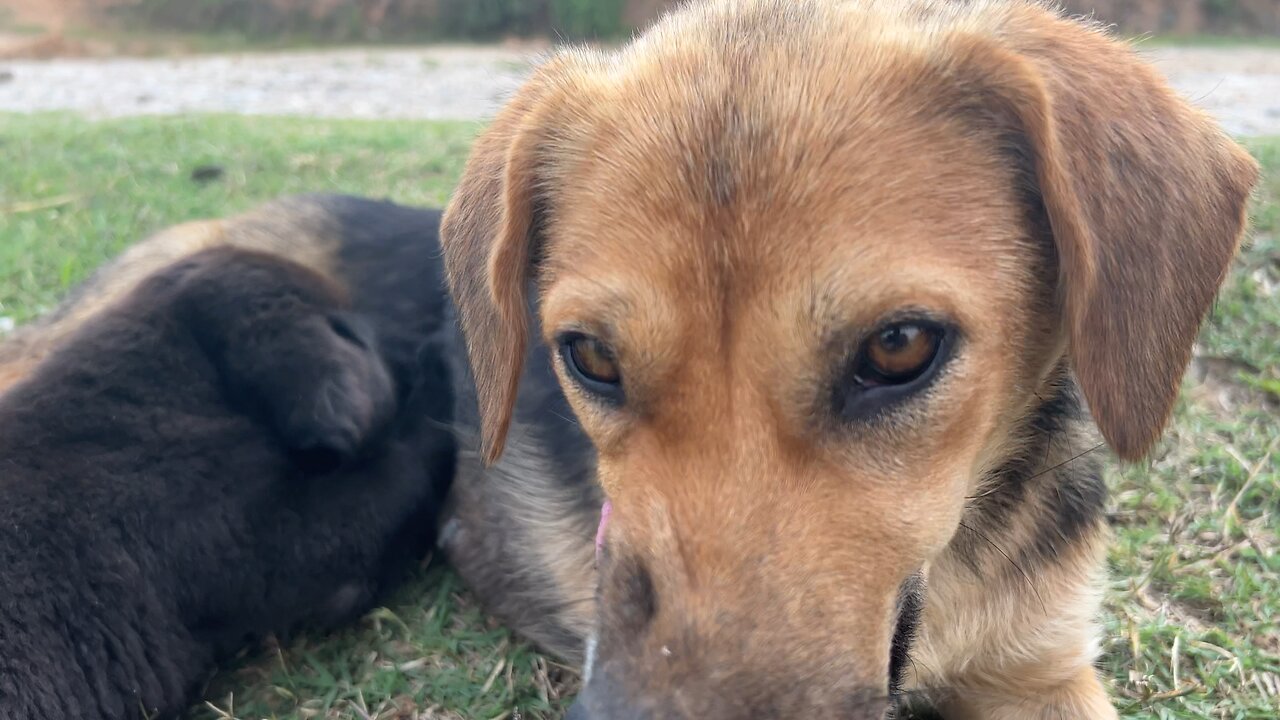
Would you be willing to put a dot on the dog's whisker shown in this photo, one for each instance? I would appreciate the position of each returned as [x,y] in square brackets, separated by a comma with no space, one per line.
[1068,461]
[996,487]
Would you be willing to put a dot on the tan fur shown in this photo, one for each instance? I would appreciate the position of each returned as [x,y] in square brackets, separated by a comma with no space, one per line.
[1024,630]
[1079,696]
[11,373]
[730,197]
[1016,639]
[515,538]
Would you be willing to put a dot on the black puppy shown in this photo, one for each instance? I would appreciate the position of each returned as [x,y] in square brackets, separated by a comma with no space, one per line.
[226,452]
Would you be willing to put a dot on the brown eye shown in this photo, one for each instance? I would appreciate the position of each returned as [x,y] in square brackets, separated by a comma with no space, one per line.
[592,364]
[894,363]
[901,352]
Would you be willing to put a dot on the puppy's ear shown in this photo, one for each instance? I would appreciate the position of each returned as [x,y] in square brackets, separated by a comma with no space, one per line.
[488,233]
[1145,196]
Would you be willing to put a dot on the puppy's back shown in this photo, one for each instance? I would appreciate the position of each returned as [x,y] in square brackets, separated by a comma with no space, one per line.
[383,255]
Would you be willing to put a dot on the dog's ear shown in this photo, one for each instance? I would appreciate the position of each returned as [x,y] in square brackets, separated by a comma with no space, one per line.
[1145,196]
[488,233]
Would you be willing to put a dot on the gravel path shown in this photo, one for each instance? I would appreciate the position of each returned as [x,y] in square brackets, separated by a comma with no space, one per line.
[1239,85]
[433,83]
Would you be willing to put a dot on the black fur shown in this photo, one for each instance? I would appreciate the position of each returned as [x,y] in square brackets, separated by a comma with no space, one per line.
[910,607]
[1067,500]
[230,452]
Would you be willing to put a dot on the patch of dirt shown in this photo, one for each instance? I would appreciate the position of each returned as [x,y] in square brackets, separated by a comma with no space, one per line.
[40,47]
[37,29]
[50,14]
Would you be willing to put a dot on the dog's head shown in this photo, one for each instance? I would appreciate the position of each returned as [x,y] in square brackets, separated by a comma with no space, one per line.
[805,266]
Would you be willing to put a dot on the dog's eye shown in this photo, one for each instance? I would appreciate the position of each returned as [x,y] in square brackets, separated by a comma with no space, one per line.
[591,363]
[899,353]
[896,360]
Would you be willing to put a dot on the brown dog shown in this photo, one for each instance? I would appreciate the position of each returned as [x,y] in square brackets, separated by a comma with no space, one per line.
[820,281]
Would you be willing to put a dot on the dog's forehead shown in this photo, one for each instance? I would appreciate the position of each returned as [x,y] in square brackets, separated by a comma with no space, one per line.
[748,204]
[749,136]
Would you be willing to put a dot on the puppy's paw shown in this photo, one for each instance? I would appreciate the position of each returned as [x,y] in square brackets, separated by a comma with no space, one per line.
[341,392]
[284,352]
[326,388]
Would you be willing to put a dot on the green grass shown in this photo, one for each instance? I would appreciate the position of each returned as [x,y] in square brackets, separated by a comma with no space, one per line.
[73,193]
[1193,606]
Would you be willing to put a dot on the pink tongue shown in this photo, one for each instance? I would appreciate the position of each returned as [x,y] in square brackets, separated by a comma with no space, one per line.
[605,510]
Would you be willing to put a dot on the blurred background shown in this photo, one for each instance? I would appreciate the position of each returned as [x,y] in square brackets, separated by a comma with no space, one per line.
[455,59]
[417,20]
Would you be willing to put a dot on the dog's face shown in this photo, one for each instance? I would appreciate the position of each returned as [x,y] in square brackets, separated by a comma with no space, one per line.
[805,267]
[793,381]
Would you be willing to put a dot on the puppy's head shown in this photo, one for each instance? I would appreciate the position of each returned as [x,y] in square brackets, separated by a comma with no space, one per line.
[805,266]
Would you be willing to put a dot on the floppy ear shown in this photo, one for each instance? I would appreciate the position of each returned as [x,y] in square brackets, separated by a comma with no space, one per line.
[488,235]
[1145,196]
